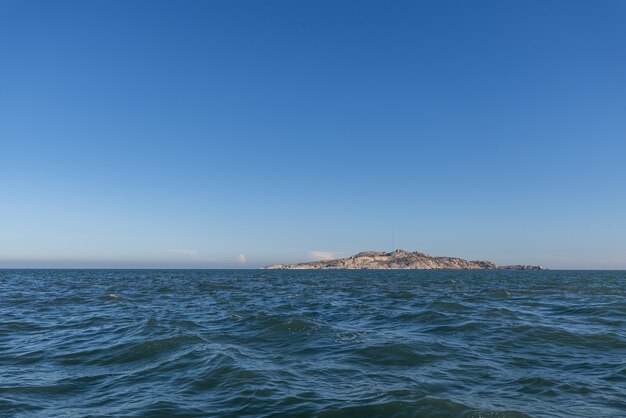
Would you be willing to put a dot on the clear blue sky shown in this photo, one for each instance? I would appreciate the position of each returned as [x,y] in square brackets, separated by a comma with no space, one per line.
[239,133]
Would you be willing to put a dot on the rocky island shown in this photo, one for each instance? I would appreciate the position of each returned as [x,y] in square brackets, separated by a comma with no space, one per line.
[400,259]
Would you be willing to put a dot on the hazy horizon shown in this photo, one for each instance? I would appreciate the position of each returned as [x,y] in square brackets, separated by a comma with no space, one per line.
[166,264]
[239,134]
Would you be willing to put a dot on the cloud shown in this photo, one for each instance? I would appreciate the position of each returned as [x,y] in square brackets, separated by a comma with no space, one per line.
[241,259]
[192,254]
[184,251]
[322,255]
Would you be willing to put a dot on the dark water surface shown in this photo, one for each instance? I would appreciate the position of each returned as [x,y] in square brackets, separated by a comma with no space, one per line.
[312,343]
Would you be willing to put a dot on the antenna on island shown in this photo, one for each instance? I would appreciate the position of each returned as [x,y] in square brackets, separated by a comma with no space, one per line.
[393,247]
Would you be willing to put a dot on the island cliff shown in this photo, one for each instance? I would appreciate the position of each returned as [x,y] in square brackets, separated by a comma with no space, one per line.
[399,259]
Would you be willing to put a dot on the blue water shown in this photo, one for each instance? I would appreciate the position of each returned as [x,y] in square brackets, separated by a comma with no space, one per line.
[312,343]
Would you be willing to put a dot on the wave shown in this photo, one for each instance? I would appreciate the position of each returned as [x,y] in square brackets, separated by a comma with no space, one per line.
[316,343]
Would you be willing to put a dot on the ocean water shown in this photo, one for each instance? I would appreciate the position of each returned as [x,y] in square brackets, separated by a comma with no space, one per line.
[312,343]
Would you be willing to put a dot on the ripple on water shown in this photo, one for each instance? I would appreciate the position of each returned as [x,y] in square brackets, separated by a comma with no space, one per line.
[395,355]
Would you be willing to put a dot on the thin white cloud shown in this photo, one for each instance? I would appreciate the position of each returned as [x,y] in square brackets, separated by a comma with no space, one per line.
[241,259]
[322,255]
[191,254]
[183,251]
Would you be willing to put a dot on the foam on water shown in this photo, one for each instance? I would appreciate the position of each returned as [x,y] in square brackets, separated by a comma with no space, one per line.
[321,343]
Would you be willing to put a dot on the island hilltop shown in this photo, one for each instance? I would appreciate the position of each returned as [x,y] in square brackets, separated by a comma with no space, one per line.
[400,259]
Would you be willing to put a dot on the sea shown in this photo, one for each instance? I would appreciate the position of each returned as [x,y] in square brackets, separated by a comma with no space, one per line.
[319,343]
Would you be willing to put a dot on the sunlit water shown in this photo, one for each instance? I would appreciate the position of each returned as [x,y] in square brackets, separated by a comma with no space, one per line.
[312,343]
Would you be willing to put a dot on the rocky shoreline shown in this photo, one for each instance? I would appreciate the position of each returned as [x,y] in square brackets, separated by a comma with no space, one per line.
[400,259]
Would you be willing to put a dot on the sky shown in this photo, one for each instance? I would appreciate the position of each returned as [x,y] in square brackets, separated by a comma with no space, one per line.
[234,134]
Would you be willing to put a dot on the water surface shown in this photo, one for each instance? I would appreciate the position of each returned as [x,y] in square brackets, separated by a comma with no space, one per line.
[312,343]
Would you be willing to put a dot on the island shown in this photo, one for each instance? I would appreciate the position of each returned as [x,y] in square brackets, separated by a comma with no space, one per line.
[400,259]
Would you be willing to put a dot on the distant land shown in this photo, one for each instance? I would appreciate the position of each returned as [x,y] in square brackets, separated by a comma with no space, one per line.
[398,260]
